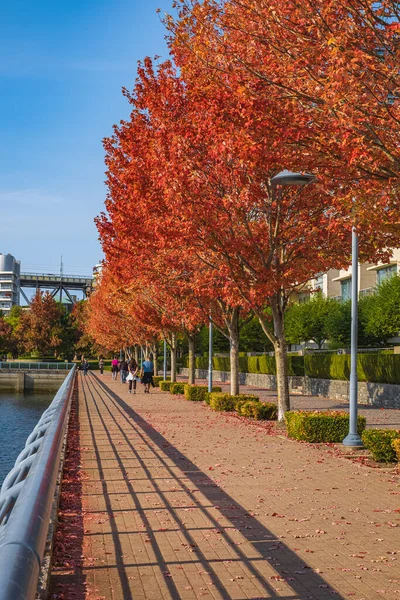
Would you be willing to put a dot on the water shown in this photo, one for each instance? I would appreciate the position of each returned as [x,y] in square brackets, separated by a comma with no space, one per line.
[19,413]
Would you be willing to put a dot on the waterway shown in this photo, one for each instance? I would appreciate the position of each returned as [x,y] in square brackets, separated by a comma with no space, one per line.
[19,413]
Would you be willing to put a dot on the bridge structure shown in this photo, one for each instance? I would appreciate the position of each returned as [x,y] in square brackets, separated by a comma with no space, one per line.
[58,284]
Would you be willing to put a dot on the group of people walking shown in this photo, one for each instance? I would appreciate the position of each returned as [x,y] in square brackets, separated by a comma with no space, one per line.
[130,372]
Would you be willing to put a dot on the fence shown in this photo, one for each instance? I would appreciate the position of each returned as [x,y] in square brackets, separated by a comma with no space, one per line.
[35,366]
[26,499]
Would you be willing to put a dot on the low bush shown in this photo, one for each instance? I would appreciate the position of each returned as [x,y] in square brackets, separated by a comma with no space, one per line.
[198,393]
[379,443]
[221,402]
[260,411]
[215,388]
[158,378]
[226,402]
[332,426]
[396,447]
[165,385]
[177,388]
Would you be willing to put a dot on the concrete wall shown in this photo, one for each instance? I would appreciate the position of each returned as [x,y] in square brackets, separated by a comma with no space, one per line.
[376,394]
[31,381]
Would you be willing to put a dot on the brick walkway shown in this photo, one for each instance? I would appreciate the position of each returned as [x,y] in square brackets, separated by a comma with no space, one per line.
[183,503]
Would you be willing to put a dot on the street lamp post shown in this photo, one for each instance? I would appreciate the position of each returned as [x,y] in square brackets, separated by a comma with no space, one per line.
[353,439]
[284,178]
[210,355]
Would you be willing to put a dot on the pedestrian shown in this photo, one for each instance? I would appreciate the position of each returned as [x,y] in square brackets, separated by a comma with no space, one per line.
[132,375]
[114,367]
[101,365]
[123,368]
[85,367]
[148,372]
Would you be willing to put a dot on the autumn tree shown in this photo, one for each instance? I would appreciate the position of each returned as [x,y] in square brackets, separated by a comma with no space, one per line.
[6,341]
[205,140]
[40,328]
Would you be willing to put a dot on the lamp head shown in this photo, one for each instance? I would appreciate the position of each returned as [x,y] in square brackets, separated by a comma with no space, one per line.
[288,178]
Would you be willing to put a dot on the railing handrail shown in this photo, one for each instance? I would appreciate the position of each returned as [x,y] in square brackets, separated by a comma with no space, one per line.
[35,366]
[26,499]
[56,276]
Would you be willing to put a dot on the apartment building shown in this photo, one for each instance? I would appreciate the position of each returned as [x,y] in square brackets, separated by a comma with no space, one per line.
[369,276]
[10,270]
[337,283]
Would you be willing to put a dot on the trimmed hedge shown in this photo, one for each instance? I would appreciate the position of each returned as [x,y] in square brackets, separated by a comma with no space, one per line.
[226,402]
[177,388]
[379,443]
[374,368]
[165,385]
[198,393]
[321,426]
[221,402]
[371,367]
[252,364]
[266,411]
[396,447]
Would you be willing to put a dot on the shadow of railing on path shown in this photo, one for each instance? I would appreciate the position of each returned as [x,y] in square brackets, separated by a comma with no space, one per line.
[305,583]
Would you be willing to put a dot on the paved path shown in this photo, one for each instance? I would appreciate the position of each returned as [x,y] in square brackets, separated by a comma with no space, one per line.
[181,502]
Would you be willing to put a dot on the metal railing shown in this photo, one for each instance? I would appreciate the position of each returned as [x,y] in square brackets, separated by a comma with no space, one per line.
[35,366]
[26,499]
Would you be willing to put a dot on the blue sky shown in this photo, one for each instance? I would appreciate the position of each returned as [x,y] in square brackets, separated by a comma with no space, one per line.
[62,67]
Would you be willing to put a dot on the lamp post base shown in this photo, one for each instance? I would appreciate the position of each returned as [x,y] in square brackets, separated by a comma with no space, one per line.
[353,440]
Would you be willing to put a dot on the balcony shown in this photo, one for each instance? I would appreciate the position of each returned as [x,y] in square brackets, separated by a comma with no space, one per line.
[366,292]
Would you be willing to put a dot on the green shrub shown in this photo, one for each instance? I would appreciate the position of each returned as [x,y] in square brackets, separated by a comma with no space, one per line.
[215,388]
[266,411]
[177,388]
[265,364]
[396,448]
[321,426]
[371,367]
[165,385]
[221,363]
[198,393]
[252,364]
[379,368]
[158,378]
[226,402]
[379,443]
[221,402]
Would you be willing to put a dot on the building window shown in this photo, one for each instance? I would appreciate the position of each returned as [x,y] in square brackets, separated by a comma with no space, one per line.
[382,274]
[303,297]
[319,282]
[345,289]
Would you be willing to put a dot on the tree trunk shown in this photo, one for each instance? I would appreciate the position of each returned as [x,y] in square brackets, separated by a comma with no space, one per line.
[192,361]
[234,350]
[173,357]
[155,359]
[136,351]
[281,359]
